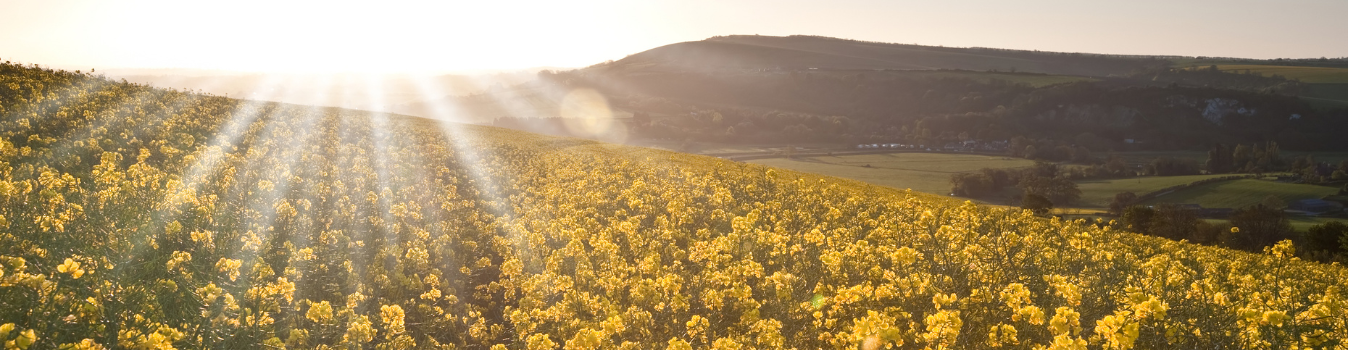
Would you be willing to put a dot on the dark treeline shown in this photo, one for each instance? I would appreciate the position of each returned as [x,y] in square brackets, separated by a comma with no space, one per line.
[1261,158]
[1211,76]
[1047,181]
[1251,229]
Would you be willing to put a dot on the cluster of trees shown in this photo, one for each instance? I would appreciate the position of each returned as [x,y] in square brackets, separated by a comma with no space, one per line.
[1045,181]
[1257,227]
[1254,158]
[1259,158]
[1211,76]
[1251,229]
[1055,150]
[1327,242]
[1171,166]
[1315,172]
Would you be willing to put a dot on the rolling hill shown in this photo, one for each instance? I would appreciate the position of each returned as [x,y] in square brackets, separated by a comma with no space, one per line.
[137,217]
[818,90]
[752,52]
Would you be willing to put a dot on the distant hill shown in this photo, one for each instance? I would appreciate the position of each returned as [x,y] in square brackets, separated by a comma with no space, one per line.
[805,52]
[799,89]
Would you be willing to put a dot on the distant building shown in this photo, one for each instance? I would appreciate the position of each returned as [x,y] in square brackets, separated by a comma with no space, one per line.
[1315,206]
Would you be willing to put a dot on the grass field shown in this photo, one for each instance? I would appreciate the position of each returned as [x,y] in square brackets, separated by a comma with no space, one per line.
[1098,193]
[1302,223]
[1327,87]
[1242,193]
[1327,95]
[923,172]
[1144,157]
[1313,75]
[1299,223]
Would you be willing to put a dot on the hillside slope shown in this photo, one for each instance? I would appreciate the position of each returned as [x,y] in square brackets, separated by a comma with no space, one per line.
[136,217]
[801,52]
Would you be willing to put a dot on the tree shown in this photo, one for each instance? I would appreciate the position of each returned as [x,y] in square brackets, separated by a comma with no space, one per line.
[1138,218]
[1207,233]
[1030,152]
[1300,163]
[1242,158]
[971,185]
[1270,159]
[1219,159]
[1040,205]
[1116,166]
[1056,189]
[1167,166]
[1257,227]
[1326,237]
[1044,169]
[1081,154]
[1121,201]
[1274,202]
[1000,177]
[1173,222]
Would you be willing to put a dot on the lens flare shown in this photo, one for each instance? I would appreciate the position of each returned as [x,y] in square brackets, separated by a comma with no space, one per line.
[586,113]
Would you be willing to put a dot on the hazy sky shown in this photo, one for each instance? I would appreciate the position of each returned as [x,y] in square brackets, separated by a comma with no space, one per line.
[328,36]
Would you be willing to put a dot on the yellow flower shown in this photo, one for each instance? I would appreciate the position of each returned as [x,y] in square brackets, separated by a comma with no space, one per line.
[71,267]
[1274,318]
[392,317]
[943,327]
[25,339]
[359,330]
[319,312]
[1002,334]
[1065,320]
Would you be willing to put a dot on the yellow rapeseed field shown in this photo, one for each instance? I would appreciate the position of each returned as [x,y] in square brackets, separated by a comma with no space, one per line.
[135,217]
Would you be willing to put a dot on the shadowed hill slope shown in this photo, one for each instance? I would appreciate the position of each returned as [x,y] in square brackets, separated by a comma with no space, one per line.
[804,52]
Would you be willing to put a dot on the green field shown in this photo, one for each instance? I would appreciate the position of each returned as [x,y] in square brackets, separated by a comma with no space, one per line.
[930,173]
[923,172]
[1145,157]
[1313,75]
[1326,87]
[1242,193]
[1299,223]
[1098,193]
[1327,95]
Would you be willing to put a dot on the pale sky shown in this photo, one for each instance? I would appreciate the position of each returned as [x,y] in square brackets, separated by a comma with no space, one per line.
[442,36]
